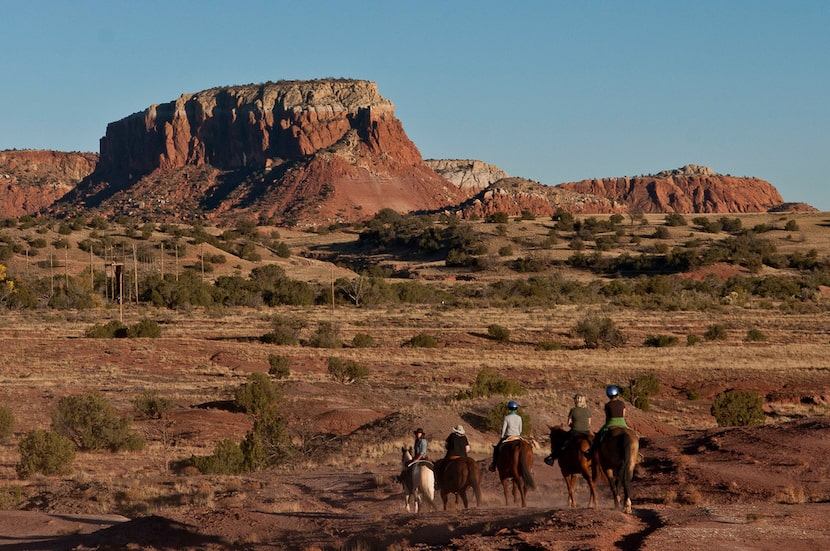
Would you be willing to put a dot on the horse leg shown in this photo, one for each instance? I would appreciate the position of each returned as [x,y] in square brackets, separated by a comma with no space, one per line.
[504,485]
[569,482]
[464,498]
[444,497]
[592,500]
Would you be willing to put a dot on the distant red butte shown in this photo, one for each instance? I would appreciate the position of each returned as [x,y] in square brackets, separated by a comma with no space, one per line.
[31,180]
[304,152]
[690,189]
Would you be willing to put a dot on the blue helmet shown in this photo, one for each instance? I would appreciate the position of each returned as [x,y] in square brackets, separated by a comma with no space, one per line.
[512,406]
[611,391]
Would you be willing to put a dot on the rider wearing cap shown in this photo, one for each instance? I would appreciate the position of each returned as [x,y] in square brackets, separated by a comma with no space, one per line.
[511,426]
[614,416]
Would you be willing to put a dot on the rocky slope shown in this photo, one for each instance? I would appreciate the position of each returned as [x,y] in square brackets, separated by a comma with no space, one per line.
[518,196]
[689,189]
[470,176]
[32,179]
[307,152]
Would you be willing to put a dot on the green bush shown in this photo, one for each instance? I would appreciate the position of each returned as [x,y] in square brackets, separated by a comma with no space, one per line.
[363,340]
[151,405]
[715,332]
[639,389]
[11,497]
[598,332]
[107,330]
[548,345]
[326,336]
[6,422]
[46,453]
[692,339]
[755,335]
[346,371]
[495,417]
[498,332]
[257,395]
[145,328]
[422,340]
[279,367]
[90,423]
[227,458]
[268,443]
[660,341]
[285,330]
[736,408]
[488,383]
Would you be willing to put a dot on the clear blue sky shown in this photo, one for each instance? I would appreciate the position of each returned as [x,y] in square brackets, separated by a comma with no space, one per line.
[554,91]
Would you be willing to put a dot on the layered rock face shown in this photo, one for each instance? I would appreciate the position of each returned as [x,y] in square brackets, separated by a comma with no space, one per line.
[319,151]
[690,189]
[470,176]
[518,196]
[31,180]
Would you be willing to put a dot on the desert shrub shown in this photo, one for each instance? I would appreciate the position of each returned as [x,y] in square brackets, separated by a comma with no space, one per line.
[6,422]
[598,332]
[227,458]
[791,225]
[90,423]
[45,452]
[11,497]
[488,383]
[661,232]
[285,330]
[693,394]
[268,443]
[422,340]
[495,417]
[660,341]
[506,250]
[715,332]
[498,332]
[279,367]
[257,395]
[500,217]
[639,389]
[363,340]
[548,345]
[735,408]
[145,328]
[755,335]
[327,335]
[346,371]
[692,339]
[151,405]
[675,219]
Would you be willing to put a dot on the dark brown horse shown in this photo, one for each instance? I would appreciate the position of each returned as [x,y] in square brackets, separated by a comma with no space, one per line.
[515,463]
[457,474]
[572,461]
[617,455]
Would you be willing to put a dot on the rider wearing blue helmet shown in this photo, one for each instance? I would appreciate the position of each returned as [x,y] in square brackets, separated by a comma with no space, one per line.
[614,416]
[511,426]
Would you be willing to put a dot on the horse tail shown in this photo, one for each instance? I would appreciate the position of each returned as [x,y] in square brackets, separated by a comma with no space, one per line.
[524,463]
[474,478]
[632,448]
[428,486]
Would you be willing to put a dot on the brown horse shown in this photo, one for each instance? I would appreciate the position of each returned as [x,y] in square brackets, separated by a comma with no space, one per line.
[455,475]
[572,461]
[515,462]
[617,454]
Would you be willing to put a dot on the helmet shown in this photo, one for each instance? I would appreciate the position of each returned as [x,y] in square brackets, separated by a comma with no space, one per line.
[612,391]
[512,406]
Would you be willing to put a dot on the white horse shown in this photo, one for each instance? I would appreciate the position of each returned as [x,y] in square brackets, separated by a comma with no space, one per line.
[418,482]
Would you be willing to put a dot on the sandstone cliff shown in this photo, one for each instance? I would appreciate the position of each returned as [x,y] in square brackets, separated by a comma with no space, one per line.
[31,180]
[300,151]
[516,196]
[470,176]
[690,189]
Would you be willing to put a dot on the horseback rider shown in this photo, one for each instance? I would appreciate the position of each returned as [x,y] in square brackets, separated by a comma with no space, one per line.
[579,419]
[420,447]
[511,426]
[614,416]
[457,445]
